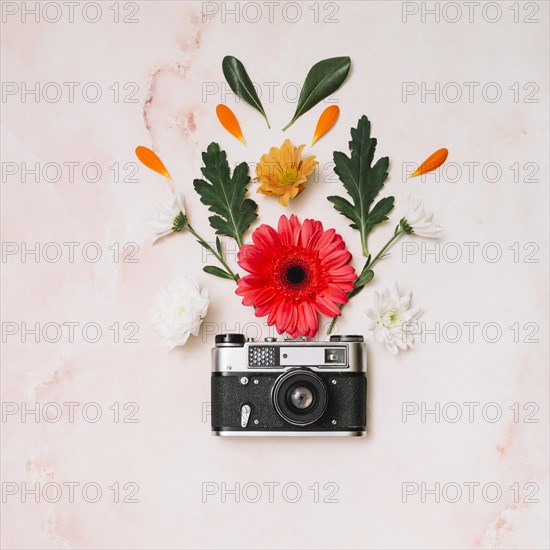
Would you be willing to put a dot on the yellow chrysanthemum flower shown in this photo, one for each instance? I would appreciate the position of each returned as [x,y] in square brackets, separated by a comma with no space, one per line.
[282,172]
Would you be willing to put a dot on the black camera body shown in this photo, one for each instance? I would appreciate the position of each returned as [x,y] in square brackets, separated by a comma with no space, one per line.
[289,387]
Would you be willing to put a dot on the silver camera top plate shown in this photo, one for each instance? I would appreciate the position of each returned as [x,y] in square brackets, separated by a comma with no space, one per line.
[270,356]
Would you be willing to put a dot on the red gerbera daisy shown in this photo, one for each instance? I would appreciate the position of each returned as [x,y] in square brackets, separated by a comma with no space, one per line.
[295,273]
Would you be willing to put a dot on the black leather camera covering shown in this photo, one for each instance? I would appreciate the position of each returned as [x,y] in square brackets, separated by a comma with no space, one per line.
[346,402]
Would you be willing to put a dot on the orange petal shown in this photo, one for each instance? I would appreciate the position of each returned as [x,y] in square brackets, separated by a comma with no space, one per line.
[229,121]
[434,161]
[151,160]
[326,121]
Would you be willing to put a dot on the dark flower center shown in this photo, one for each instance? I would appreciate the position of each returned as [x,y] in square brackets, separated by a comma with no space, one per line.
[295,275]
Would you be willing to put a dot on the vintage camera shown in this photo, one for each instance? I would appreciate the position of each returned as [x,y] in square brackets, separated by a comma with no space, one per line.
[289,387]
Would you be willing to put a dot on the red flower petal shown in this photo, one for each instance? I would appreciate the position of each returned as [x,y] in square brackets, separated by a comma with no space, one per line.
[285,316]
[337,259]
[265,235]
[274,313]
[326,307]
[285,231]
[336,294]
[326,239]
[311,233]
[263,310]
[311,318]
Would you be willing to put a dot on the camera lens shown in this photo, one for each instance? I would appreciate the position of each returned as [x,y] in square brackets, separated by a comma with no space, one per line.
[300,397]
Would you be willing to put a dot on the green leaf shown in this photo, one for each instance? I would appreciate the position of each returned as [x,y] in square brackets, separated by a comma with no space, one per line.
[219,246]
[218,272]
[379,213]
[362,182]
[364,278]
[360,283]
[225,194]
[240,83]
[323,79]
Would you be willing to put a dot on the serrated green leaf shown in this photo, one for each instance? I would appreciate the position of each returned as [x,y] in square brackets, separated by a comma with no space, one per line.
[225,194]
[362,182]
[218,272]
[323,79]
[344,207]
[240,83]
[379,213]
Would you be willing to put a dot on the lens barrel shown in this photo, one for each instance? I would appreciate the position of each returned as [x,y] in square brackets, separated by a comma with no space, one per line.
[300,397]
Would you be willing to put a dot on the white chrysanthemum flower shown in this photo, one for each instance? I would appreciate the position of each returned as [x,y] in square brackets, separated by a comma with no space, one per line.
[418,221]
[392,319]
[169,217]
[179,312]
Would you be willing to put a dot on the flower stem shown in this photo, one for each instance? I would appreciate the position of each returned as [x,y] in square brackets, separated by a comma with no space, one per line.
[289,124]
[369,264]
[398,232]
[364,246]
[220,258]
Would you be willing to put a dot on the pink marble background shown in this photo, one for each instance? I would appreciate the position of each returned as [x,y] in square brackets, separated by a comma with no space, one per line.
[172,56]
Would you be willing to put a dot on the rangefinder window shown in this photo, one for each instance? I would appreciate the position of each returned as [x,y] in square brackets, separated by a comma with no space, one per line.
[335,356]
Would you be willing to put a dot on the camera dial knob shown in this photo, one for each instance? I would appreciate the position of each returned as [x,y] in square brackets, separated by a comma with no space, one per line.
[231,339]
[346,338]
[270,339]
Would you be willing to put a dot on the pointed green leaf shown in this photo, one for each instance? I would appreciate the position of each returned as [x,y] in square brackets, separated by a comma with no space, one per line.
[240,83]
[362,182]
[219,247]
[218,272]
[323,79]
[225,194]
[364,278]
